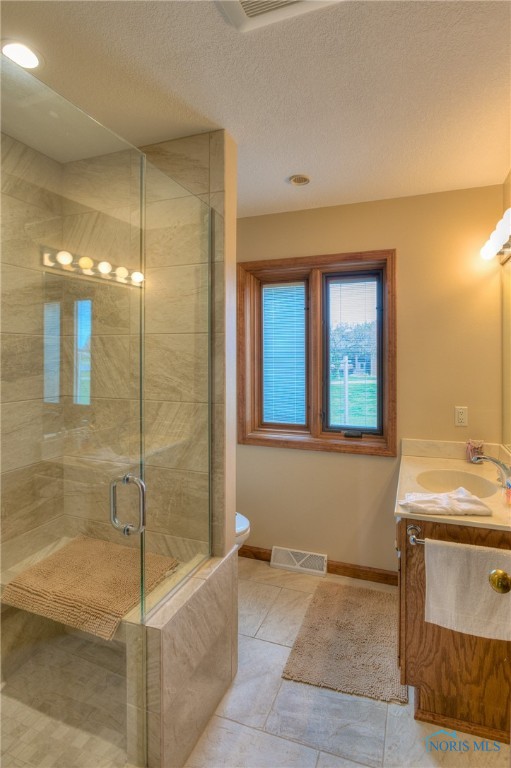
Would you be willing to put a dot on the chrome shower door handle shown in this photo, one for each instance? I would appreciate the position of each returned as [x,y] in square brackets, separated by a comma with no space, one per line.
[128,528]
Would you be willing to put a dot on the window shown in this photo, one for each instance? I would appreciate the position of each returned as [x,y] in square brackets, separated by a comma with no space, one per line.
[284,353]
[316,353]
[51,349]
[82,352]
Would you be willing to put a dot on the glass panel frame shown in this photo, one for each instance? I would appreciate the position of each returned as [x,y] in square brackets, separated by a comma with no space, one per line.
[329,425]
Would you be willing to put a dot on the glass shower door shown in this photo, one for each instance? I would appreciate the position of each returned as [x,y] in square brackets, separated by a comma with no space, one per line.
[72,315]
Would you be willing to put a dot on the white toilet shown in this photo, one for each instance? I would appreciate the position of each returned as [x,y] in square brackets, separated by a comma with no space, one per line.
[242,529]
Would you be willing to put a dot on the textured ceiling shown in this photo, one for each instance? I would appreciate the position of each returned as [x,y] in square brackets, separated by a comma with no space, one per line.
[370,99]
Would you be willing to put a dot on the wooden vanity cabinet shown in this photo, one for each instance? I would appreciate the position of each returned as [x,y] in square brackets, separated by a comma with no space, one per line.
[462,682]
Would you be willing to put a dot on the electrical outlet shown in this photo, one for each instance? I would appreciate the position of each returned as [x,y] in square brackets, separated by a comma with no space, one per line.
[461,416]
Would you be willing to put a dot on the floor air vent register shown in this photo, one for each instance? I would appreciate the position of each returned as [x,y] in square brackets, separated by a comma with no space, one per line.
[298,560]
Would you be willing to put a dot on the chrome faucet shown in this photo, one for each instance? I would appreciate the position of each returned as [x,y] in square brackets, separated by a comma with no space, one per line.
[504,470]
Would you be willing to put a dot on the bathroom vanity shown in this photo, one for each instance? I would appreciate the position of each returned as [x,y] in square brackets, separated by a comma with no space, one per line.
[462,682]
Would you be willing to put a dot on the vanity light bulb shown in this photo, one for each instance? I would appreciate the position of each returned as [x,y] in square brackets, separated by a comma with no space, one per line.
[104,267]
[64,257]
[488,252]
[85,263]
[122,272]
[137,277]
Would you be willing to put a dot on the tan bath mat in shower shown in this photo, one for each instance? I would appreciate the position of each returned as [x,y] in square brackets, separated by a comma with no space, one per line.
[89,584]
[348,642]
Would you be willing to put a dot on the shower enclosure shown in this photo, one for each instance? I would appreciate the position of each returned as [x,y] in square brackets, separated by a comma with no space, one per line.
[105,391]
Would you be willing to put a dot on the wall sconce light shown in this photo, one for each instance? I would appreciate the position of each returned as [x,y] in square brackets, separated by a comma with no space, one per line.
[65,261]
[499,241]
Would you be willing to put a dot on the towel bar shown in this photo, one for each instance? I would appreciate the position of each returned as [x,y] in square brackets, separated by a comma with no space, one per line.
[413,532]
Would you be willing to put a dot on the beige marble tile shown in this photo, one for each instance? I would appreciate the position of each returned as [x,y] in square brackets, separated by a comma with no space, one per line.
[284,619]
[177,299]
[21,635]
[185,160]
[19,215]
[135,665]
[255,600]
[87,489]
[103,182]
[26,544]
[218,459]
[31,497]
[111,363]
[35,194]
[330,721]
[160,186]
[217,202]
[153,646]
[22,434]
[135,735]
[101,236]
[218,381]
[196,653]
[31,166]
[22,300]
[24,249]
[178,502]
[107,654]
[251,695]
[218,300]
[176,232]
[218,227]
[225,744]
[333,761]
[101,431]
[22,367]
[182,549]
[176,435]
[176,367]
[405,744]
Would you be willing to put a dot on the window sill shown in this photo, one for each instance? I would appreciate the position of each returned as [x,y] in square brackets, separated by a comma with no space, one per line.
[367,445]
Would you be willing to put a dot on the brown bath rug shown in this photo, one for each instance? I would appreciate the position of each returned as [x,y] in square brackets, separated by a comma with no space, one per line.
[88,584]
[348,642]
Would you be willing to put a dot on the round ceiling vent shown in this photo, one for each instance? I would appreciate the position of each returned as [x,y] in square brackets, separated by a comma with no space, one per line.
[299,180]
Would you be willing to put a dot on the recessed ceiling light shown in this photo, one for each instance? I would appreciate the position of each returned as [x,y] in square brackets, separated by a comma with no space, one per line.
[299,180]
[21,54]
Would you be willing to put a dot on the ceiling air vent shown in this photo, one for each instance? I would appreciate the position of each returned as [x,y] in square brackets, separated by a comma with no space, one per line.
[251,14]
[254,8]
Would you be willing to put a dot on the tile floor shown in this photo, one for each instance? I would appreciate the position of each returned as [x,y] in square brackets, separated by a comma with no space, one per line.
[264,721]
[65,707]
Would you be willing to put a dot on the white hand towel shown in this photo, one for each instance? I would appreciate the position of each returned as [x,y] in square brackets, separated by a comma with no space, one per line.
[458,593]
[458,502]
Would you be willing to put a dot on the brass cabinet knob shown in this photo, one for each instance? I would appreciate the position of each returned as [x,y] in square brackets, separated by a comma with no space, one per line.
[500,581]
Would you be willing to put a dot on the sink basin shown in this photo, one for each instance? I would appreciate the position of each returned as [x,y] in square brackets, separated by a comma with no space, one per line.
[444,480]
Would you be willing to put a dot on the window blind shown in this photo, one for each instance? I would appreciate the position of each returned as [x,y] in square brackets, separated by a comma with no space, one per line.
[284,353]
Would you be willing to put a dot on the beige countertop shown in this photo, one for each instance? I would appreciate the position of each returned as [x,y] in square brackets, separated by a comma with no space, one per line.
[411,466]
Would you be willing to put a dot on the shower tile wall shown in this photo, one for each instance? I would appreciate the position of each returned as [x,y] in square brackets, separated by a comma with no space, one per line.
[32,468]
[101,220]
[176,383]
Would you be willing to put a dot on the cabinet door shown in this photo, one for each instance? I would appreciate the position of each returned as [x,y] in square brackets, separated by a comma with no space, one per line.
[460,676]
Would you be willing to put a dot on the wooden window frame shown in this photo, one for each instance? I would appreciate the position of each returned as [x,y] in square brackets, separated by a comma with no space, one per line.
[312,437]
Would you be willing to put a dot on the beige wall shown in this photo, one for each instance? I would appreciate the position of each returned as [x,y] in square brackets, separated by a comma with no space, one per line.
[449,353]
